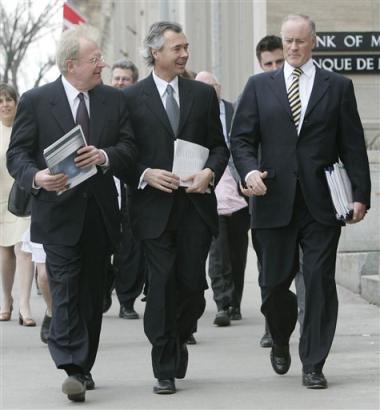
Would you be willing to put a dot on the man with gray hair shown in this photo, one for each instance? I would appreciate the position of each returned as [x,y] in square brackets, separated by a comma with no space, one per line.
[174,218]
[300,119]
[123,74]
[79,227]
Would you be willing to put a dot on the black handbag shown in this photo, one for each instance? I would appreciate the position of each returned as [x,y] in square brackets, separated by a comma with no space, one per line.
[19,201]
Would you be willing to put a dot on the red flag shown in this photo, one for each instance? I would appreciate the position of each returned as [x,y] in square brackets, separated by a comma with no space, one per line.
[71,16]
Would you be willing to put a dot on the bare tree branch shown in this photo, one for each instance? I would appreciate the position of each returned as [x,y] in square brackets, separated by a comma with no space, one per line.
[43,70]
[18,30]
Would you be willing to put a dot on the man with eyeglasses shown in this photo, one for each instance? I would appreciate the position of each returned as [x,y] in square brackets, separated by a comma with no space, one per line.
[80,227]
[290,124]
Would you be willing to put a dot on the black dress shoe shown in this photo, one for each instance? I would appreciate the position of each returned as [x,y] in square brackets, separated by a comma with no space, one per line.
[235,313]
[266,340]
[75,388]
[107,301]
[191,340]
[222,318]
[280,359]
[128,313]
[89,381]
[182,362]
[45,328]
[314,380]
[166,386]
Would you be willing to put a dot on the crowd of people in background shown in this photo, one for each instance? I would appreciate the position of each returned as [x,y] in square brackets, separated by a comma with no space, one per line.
[136,227]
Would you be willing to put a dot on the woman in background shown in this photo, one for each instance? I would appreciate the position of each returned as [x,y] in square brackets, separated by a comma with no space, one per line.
[12,228]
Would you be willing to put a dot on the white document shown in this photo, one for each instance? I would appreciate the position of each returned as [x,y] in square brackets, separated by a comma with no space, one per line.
[189,158]
[60,157]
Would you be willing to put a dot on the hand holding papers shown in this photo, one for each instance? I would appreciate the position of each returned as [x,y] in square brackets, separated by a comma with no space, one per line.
[60,158]
[340,190]
[189,159]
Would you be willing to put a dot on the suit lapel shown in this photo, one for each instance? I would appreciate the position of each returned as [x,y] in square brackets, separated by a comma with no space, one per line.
[97,117]
[60,108]
[154,103]
[185,101]
[320,86]
[278,86]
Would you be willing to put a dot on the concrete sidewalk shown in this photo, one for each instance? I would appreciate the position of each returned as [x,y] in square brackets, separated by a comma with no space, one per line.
[227,368]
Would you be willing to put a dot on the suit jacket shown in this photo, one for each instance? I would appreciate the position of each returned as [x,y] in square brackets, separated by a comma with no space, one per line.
[43,116]
[331,130]
[199,123]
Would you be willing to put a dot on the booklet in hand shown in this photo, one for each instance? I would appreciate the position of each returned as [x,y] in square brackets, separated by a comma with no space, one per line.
[189,158]
[60,157]
[340,191]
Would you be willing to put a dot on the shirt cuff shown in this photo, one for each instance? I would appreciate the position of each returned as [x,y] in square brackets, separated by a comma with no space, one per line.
[106,164]
[142,183]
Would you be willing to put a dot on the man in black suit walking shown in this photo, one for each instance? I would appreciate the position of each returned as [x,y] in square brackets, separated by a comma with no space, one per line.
[228,252]
[302,119]
[175,223]
[79,227]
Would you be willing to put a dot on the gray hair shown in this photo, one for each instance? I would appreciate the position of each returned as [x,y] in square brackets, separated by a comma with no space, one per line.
[127,65]
[68,46]
[307,19]
[155,39]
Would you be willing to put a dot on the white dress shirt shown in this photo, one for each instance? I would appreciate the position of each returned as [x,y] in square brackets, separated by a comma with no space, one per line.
[73,99]
[306,85]
[161,87]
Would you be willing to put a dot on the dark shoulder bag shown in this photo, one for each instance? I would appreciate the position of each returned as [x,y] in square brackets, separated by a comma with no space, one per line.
[19,201]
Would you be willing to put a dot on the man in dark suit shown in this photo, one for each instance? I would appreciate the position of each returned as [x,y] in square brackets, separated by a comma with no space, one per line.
[127,273]
[175,223]
[228,252]
[297,139]
[79,227]
[271,57]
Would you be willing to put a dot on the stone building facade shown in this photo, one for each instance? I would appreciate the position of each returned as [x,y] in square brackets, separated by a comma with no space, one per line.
[222,36]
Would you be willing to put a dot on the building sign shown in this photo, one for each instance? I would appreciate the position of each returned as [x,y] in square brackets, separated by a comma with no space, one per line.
[355,41]
[348,52]
[363,63]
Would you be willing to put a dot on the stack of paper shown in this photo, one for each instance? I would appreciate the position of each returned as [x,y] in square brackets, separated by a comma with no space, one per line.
[189,158]
[340,190]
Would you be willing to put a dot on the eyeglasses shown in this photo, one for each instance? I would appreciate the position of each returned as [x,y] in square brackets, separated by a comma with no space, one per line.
[96,60]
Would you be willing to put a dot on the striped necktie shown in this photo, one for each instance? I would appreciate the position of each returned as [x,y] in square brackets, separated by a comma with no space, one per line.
[294,96]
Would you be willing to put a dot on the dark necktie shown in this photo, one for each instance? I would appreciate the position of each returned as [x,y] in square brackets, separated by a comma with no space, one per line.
[294,96]
[82,118]
[172,108]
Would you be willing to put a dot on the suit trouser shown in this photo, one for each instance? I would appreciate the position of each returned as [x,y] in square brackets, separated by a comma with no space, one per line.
[277,249]
[177,280]
[127,272]
[129,265]
[76,278]
[300,290]
[227,259]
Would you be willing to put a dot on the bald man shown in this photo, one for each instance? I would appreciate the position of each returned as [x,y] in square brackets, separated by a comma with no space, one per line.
[228,252]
